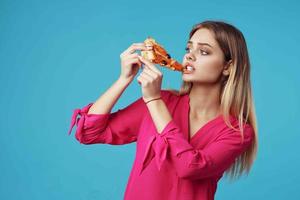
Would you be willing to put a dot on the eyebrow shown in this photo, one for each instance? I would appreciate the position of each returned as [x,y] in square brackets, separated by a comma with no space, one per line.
[200,43]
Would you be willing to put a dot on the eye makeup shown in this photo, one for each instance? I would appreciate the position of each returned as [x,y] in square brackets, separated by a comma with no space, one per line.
[202,51]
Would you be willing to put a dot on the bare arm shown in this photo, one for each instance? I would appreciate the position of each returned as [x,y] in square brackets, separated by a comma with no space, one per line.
[160,114]
[106,101]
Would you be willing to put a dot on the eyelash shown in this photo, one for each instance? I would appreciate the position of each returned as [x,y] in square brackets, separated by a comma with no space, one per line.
[187,49]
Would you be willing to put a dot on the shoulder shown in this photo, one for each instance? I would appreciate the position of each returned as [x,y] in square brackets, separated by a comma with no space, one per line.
[236,131]
[248,130]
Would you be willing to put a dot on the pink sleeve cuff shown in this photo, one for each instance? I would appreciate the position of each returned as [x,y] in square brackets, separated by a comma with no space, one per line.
[87,121]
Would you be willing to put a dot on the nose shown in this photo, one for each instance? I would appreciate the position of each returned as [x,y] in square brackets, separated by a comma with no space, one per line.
[189,56]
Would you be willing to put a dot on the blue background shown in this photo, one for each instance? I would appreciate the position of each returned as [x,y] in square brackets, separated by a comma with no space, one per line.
[56,56]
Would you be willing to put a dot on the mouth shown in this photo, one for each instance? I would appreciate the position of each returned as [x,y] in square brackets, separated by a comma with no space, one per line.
[188,68]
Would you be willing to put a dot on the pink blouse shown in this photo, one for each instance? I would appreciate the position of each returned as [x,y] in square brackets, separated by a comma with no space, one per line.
[170,165]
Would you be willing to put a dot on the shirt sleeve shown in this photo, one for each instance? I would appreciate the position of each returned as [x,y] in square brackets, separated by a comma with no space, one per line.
[191,163]
[120,127]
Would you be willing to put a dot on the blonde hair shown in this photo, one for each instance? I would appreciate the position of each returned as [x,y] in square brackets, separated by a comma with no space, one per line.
[236,93]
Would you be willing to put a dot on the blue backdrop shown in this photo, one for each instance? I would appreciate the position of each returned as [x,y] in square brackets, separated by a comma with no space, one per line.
[56,56]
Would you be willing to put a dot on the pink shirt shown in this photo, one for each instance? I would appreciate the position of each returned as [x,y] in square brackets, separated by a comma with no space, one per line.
[170,165]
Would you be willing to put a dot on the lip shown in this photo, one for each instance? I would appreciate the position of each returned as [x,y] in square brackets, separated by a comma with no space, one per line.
[188,64]
[185,71]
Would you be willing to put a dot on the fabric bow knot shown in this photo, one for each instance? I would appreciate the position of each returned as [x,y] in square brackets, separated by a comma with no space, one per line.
[79,121]
[170,138]
[160,149]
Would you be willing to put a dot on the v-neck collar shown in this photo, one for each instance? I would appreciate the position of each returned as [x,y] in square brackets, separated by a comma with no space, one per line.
[202,128]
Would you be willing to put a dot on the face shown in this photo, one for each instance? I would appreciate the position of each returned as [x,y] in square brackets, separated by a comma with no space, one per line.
[206,58]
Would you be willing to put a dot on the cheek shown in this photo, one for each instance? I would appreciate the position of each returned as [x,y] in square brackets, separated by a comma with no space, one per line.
[210,66]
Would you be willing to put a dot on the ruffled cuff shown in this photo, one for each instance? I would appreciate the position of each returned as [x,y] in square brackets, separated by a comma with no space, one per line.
[170,140]
[87,121]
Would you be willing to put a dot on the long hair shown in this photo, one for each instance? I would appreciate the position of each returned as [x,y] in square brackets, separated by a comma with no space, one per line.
[236,93]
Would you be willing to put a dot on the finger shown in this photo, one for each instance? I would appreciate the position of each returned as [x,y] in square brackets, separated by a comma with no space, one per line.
[149,72]
[147,76]
[145,81]
[141,80]
[133,55]
[150,65]
[132,61]
[125,56]
[129,56]
[134,47]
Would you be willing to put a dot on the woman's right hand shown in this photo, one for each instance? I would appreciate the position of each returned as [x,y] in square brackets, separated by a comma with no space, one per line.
[130,63]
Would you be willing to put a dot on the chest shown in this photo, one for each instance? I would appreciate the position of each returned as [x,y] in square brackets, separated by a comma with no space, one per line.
[195,125]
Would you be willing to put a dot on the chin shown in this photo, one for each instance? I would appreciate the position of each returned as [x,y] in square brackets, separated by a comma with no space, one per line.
[187,79]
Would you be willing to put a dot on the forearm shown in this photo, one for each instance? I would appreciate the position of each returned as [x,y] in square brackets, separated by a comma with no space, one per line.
[159,113]
[106,101]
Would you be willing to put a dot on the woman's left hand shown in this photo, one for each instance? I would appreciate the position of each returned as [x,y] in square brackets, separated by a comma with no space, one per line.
[150,79]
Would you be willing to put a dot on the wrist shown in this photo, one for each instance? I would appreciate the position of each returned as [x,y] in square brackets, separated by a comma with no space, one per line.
[152,99]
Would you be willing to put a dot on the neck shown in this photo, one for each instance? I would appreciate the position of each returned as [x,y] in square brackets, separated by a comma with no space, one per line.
[205,100]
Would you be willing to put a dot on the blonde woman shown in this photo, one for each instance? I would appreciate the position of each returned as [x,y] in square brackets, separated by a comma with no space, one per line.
[186,139]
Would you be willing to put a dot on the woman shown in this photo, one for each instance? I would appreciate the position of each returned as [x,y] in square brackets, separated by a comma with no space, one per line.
[186,139]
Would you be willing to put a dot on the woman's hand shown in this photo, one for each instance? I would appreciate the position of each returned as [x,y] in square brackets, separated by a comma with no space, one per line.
[130,62]
[150,79]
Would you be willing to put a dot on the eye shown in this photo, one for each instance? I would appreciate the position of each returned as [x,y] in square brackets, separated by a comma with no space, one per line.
[205,53]
[187,49]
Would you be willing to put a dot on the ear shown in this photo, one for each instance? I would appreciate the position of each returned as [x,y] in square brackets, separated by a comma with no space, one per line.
[227,68]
